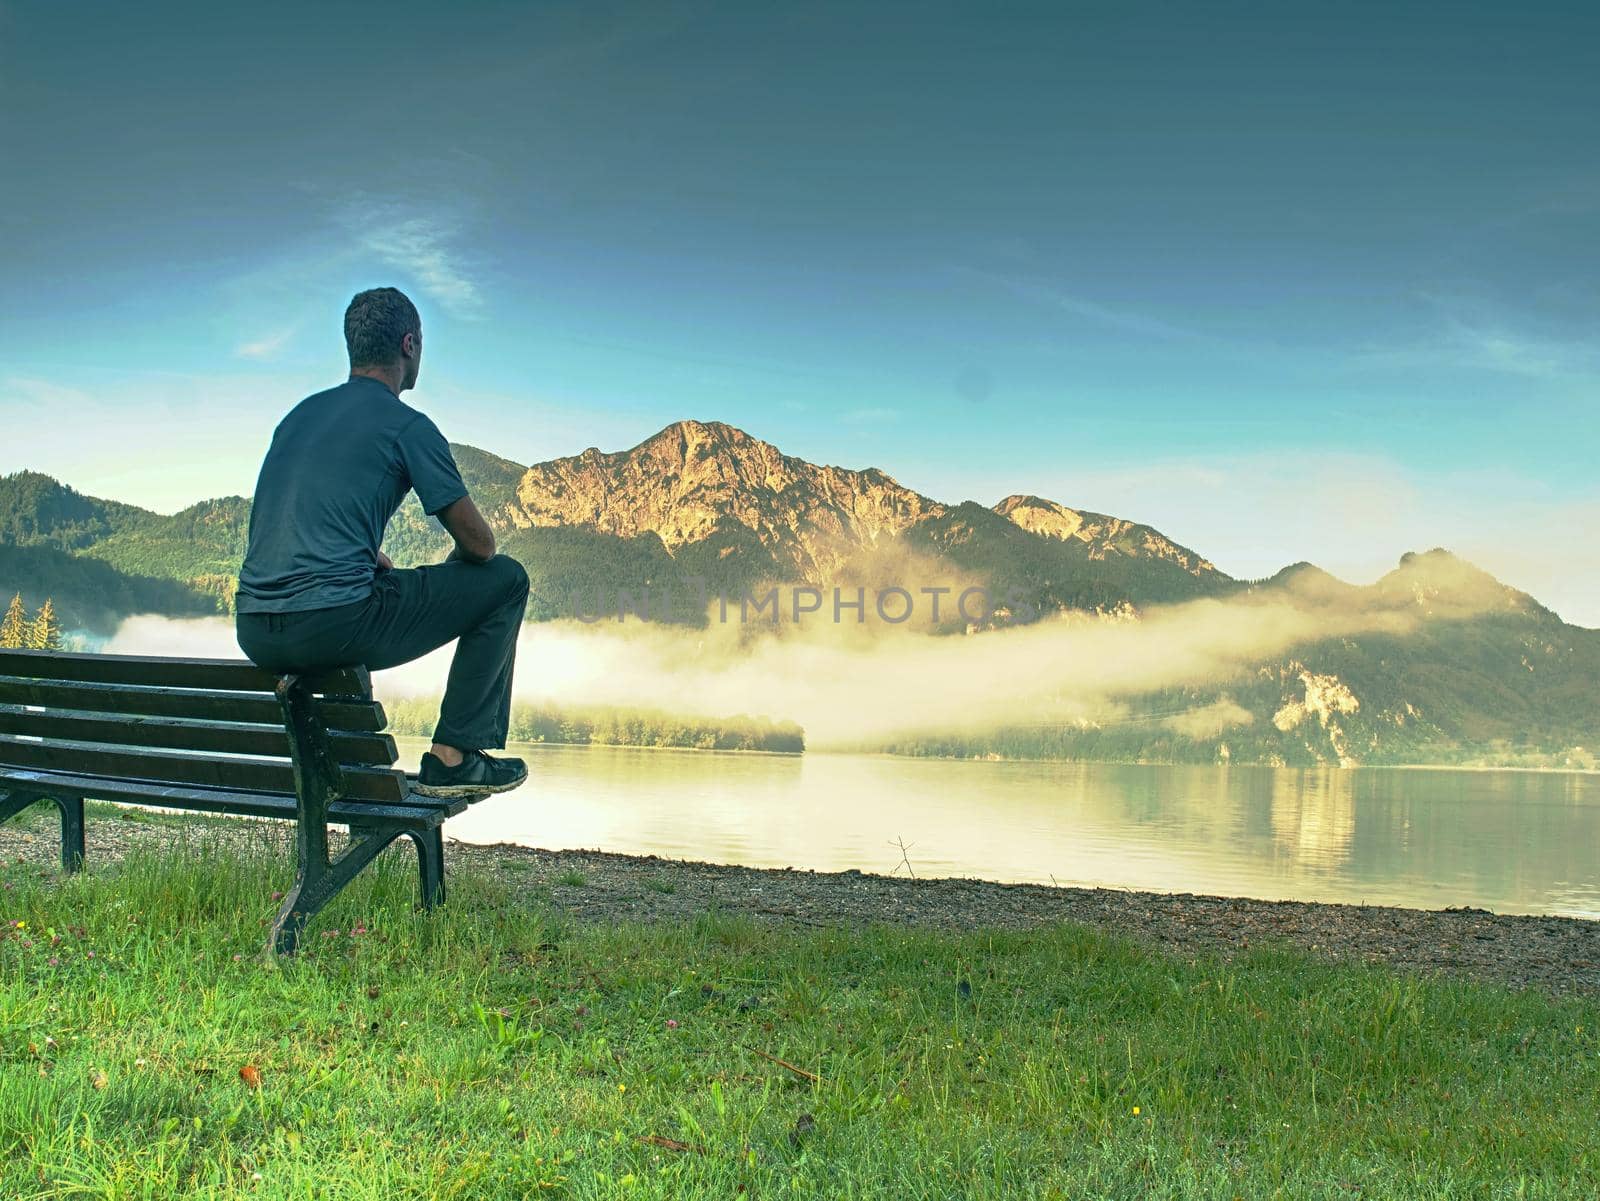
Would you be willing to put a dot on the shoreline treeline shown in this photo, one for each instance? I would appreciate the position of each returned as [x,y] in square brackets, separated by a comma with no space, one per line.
[601,726]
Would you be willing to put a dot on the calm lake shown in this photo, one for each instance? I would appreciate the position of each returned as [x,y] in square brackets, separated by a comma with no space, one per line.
[1513,842]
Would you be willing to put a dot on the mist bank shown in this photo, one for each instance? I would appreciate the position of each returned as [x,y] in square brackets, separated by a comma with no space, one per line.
[1305,670]
[846,683]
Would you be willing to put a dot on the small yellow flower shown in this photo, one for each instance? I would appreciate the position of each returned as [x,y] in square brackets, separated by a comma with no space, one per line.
[622,1088]
[1135,1111]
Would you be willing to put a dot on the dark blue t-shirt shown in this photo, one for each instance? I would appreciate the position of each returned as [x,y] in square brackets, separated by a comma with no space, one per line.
[339,466]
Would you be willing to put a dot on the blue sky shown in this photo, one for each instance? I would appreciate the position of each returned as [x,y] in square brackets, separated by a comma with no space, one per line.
[1288,282]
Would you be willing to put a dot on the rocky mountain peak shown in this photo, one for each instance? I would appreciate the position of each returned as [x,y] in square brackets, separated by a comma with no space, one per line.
[1104,536]
[1441,583]
[695,479]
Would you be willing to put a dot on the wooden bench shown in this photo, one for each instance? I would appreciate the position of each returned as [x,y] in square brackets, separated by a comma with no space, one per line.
[217,736]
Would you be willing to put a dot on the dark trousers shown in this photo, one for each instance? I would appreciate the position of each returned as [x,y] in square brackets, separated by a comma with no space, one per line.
[410,613]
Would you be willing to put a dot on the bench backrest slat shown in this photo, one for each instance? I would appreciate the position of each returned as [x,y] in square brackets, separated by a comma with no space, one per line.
[211,771]
[212,723]
[224,675]
[198,703]
[179,734]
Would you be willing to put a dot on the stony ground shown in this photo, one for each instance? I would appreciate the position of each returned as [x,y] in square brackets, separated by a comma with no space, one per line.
[1556,954]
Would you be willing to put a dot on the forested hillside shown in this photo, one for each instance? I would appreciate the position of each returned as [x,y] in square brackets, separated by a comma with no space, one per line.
[1486,675]
[101,561]
[92,595]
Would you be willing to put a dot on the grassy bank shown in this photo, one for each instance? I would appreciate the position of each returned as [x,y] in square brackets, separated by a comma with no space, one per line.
[496,1050]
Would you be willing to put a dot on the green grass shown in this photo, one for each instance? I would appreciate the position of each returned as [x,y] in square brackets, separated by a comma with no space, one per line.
[494,1050]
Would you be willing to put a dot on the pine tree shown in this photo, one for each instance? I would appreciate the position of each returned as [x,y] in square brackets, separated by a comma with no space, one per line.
[14,627]
[45,632]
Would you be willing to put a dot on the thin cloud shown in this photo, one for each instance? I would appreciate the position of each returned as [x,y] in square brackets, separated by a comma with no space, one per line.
[1468,336]
[1474,335]
[423,245]
[266,348]
[1533,358]
[1126,320]
[25,392]
[1463,346]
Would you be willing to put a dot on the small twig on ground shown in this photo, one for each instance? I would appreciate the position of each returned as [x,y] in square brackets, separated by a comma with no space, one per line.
[905,859]
[784,1063]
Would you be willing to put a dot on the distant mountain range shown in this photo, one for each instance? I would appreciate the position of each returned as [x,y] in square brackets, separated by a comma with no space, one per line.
[702,504]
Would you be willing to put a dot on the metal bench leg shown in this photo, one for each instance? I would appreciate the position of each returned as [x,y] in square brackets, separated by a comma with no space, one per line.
[318,781]
[430,863]
[319,881]
[13,803]
[72,848]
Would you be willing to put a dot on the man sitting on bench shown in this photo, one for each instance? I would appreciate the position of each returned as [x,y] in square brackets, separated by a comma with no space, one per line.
[315,592]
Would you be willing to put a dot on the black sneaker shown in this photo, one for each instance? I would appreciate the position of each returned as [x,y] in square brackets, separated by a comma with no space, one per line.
[477,775]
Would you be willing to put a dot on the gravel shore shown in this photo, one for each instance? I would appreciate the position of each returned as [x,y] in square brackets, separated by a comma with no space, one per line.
[1556,954]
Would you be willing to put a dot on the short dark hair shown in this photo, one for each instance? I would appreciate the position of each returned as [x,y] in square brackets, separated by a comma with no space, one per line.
[375,324]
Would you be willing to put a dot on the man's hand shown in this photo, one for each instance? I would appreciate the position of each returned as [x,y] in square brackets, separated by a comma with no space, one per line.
[385,563]
[474,538]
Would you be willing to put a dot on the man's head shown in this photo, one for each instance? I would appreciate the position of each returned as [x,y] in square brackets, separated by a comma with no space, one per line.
[384,334]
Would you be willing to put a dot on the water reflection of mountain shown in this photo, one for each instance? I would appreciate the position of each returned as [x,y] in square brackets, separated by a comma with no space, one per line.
[1314,817]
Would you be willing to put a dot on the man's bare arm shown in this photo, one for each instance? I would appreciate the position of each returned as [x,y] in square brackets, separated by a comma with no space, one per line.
[474,538]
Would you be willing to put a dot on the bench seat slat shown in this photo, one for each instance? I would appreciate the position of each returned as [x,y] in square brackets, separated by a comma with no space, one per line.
[176,767]
[226,675]
[216,800]
[196,703]
[173,733]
